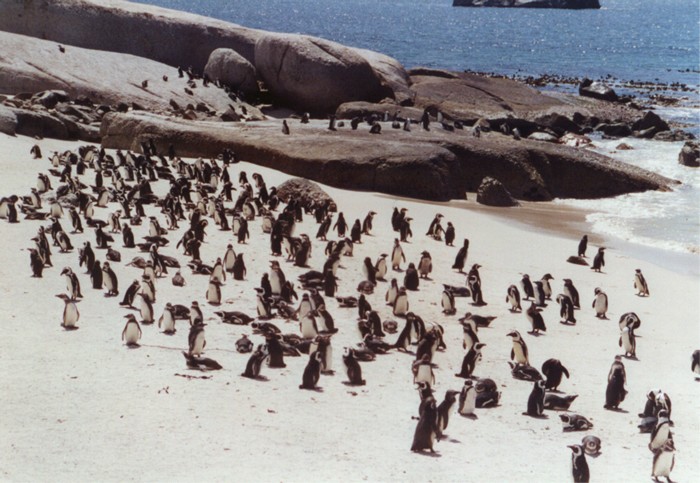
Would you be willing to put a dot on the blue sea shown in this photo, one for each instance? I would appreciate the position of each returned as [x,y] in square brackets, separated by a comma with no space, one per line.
[654,41]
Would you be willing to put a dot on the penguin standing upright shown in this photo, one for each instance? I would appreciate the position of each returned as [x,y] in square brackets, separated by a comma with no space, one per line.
[600,303]
[467,399]
[367,223]
[312,371]
[546,286]
[425,265]
[423,371]
[229,258]
[664,460]
[401,303]
[411,279]
[526,285]
[255,362]
[535,402]
[71,315]
[640,284]
[536,320]
[461,258]
[132,331]
[566,309]
[538,290]
[628,342]
[353,368]
[146,310]
[513,298]
[572,293]
[582,245]
[239,269]
[615,392]
[356,232]
[392,292]
[110,281]
[579,466]
[167,320]
[380,267]
[277,278]
[213,294]
[369,271]
[470,359]
[443,410]
[72,284]
[661,433]
[196,339]
[397,256]
[427,427]
[519,351]
[448,303]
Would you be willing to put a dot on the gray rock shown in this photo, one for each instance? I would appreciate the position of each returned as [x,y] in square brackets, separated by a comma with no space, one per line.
[492,193]
[674,135]
[49,99]
[616,130]
[33,123]
[232,69]
[314,74]
[543,136]
[623,147]
[690,155]
[307,192]
[650,120]
[597,90]
[558,123]
[8,121]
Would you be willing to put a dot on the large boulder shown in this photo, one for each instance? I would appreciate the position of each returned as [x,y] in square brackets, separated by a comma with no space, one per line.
[42,124]
[615,130]
[690,154]
[492,193]
[314,74]
[650,123]
[597,90]
[8,121]
[232,69]
[305,191]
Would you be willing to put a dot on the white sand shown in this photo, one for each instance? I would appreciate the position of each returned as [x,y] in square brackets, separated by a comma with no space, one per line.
[80,406]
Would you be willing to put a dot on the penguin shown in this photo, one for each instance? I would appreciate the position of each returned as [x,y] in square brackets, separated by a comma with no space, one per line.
[239,269]
[322,344]
[277,278]
[110,281]
[196,339]
[470,336]
[353,368]
[427,429]
[600,303]
[474,284]
[367,223]
[513,298]
[178,280]
[305,306]
[369,271]
[599,260]
[167,320]
[146,310]
[392,293]
[566,309]
[356,232]
[255,362]
[433,225]
[148,288]
[519,351]
[526,285]
[535,402]
[72,284]
[397,256]
[308,326]
[229,258]
[443,410]
[579,466]
[213,294]
[380,267]
[559,403]
[662,432]
[36,263]
[244,345]
[572,293]
[327,320]
[640,284]
[628,342]
[664,461]
[275,351]
[405,229]
[71,315]
[448,303]
[695,362]
[64,242]
[536,320]
[546,286]
[425,265]
[411,279]
[264,308]
[615,392]
[467,399]
[553,369]
[539,297]
[127,236]
[132,331]
[470,359]
[195,313]
[423,370]
[340,225]
[401,303]
[218,272]
[312,371]
[582,245]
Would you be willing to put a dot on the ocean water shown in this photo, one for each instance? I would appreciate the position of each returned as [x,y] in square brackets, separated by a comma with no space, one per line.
[655,41]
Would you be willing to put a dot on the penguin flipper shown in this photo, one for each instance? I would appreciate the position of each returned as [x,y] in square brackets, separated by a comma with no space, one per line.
[565,372]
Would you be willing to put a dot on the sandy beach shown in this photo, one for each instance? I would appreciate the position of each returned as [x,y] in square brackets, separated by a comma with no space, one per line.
[81,406]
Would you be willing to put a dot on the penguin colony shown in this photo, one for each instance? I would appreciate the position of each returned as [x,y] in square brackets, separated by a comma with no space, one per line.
[126,217]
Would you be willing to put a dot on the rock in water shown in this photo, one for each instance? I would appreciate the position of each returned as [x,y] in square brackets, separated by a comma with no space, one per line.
[597,90]
[690,155]
[232,69]
[492,193]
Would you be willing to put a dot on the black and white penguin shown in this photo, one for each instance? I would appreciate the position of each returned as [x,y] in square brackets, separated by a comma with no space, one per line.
[36,263]
[244,345]
[566,309]
[535,402]
[615,392]
[628,342]
[72,284]
[519,351]
[474,284]
[448,303]
[546,286]
[285,127]
[571,292]
[132,331]
[397,256]
[582,245]
[239,268]
[558,403]
[513,298]
[255,362]
[195,313]
[470,360]
[661,433]
[599,260]
[434,224]
[553,369]
[353,368]
[423,370]
[427,428]
[146,310]
[695,362]
[536,320]
[277,278]
[166,322]
[467,399]
[392,292]
[600,303]
[380,267]
[450,234]
[401,303]
[526,285]
[405,229]
[470,338]
[579,466]
[196,339]
[71,315]
[411,279]
[425,265]
[443,410]
[539,296]
[64,242]
[312,371]
[213,293]
[369,271]
[575,422]
[367,223]
[109,281]
[356,232]
[664,461]
[640,284]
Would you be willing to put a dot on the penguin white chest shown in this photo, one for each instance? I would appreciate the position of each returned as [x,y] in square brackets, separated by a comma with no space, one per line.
[70,314]
[198,344]
[469,402]
[401,306]
[308,327]
[132,334]
[424,373]
[519,354]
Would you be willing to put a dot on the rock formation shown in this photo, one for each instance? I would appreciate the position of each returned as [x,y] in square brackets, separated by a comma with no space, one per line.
[491,192]
[232,69]
[690,155]
[307,192]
